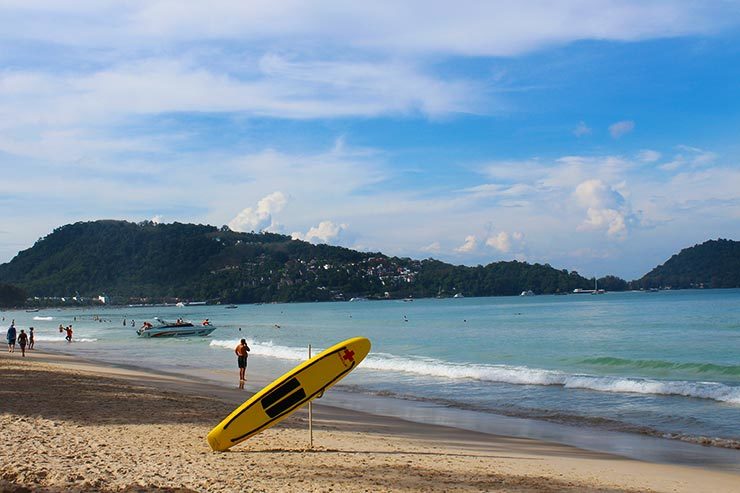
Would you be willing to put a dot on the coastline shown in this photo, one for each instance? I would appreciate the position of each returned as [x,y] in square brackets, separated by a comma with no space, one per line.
[80,425]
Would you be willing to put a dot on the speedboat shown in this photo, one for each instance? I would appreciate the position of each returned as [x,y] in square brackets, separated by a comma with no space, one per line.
[180,328]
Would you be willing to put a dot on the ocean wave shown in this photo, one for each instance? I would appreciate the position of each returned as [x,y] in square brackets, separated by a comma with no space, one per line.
[516,375]
[62,339]
[43,318]
[571,419]
[732,370]
[265,349]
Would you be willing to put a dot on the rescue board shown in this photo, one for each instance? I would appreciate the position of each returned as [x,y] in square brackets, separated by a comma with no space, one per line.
[288,393]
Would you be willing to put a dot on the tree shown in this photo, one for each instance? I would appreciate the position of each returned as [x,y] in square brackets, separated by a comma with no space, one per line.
[11,296]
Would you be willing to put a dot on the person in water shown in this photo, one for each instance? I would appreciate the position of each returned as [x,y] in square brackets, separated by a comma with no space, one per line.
[69,334]
[10,336]
[22,341]
[242,351]
[30,338]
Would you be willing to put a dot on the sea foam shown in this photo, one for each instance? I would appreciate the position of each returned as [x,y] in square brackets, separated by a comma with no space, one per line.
[517,375]
[62,339]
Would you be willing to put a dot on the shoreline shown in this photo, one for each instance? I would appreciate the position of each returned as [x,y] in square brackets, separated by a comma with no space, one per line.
[647,447]
[369,450]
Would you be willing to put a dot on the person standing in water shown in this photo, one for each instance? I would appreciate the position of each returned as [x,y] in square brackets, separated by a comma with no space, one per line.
[22,341]
[30,338]
[10,336]
[242,351]
[69,334]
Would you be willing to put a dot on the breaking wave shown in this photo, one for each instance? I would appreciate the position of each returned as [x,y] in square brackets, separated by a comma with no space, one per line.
[516,375]
[62,339]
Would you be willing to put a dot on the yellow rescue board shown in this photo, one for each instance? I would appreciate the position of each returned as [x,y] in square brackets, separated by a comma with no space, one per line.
[289,392]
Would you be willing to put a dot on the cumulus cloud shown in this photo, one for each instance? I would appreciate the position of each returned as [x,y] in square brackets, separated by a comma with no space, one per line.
[581,129]
[325,232]
[605,207]
[470,244]
[503,241]
[619,129]
[259,218]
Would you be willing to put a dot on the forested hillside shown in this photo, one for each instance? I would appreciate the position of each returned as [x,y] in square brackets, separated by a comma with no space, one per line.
[153,262]
[713,264]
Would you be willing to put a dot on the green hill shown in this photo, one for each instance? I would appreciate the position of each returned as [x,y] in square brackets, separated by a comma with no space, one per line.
[713,264]
[154,262]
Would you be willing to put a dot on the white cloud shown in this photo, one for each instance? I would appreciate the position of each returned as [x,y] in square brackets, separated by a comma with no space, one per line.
[690,157]
[433,247]
[503,241]
[325,232]
[260,218]
[619,129]
[605,207]
[470,244]
[491,28]
[581,129]
[648,156]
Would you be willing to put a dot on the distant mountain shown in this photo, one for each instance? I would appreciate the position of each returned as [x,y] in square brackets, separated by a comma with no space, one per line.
[148,262]
[713,264]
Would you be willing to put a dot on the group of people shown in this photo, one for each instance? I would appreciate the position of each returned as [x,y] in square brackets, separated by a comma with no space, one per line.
[22,339]
[68,330]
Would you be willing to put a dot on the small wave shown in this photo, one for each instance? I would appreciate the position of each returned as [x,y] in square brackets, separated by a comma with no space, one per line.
[558,417]
[265,349]
[43,318]
[732,370]
[516,375]
[62,339]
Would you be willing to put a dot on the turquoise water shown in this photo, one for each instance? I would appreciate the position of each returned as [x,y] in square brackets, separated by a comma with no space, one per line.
[664,364]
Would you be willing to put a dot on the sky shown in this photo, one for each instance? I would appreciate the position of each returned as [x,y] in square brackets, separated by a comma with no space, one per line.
[594,135]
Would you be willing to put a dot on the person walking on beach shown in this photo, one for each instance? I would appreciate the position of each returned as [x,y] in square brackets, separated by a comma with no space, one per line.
[30,338]
[241,357]
[22,341]
[10,336]
[69,334]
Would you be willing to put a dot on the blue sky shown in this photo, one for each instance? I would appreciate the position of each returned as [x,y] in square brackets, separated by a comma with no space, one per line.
[600,136]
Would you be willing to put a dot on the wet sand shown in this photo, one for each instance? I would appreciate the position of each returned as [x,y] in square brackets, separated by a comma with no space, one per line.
[71,425]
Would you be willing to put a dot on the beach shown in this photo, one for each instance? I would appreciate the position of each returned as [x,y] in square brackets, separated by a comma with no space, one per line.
[75,425]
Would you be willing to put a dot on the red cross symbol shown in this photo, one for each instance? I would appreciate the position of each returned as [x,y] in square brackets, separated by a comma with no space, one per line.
[348,354]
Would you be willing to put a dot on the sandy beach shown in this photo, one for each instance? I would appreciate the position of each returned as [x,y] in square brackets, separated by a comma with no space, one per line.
[72,425]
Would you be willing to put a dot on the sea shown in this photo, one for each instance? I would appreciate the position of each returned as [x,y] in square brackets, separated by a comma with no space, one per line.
[649,375]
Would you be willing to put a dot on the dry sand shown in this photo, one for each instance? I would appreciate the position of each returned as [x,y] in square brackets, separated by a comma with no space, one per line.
[70,425]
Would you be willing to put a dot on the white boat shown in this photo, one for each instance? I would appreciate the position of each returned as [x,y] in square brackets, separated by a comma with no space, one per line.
[528,292]
[358,298]
[177,329]
[458,295]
